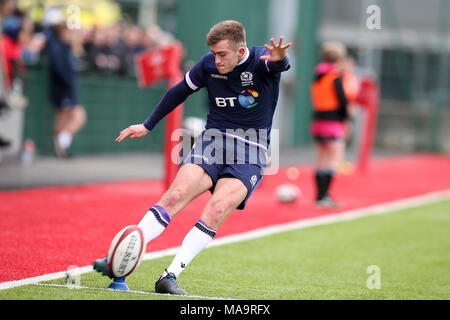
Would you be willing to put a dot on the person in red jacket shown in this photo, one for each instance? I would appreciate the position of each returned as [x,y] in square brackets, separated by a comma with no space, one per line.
[332,89]
[18,45]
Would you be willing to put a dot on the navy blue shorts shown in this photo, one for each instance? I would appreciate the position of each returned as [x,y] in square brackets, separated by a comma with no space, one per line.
[63,99]
[223,156]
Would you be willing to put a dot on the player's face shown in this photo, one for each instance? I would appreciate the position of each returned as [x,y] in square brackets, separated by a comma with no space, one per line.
[227,55]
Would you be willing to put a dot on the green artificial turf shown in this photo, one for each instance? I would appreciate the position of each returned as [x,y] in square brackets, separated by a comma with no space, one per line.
[410,247]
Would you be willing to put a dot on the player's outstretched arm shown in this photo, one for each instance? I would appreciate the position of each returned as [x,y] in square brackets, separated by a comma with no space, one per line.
[134,131]
[277,52]
[174,97]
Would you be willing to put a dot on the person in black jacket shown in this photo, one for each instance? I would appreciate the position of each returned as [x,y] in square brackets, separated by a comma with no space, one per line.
[70,116]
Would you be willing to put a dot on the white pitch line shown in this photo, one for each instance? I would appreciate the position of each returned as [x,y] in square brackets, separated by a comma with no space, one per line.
[262,232]
[45,277]
[335,217]
[127,292]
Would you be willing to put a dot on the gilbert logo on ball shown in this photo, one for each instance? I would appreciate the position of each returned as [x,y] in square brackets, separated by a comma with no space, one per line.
[126,251]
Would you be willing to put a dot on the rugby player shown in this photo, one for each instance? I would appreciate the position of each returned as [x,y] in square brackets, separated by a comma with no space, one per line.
[242,85]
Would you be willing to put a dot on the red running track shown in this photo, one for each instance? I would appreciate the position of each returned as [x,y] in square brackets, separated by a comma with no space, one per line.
[45,230]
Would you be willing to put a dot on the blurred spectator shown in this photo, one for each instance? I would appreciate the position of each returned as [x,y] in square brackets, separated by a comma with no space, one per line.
[7,7]
[110,49]
[133,39]
[113,48]
[70,116]
[99,51]
[156,37]
[18,44]
[117,49]
[333,88]
[103,49]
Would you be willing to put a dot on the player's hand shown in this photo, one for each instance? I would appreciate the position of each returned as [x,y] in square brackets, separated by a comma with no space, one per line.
[134,131]
[277,52]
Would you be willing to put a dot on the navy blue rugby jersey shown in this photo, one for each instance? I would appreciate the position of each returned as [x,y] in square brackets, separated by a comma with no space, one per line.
[245,98]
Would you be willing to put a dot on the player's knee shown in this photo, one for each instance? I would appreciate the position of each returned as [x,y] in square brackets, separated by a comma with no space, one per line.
[77,115]
[81,114]
[172,198]
[217,213]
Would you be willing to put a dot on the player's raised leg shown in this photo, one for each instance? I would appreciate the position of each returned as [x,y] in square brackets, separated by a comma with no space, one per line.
[190,182]
[228,194]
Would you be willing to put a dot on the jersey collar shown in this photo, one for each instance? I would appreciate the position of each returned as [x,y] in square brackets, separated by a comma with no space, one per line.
[247,54]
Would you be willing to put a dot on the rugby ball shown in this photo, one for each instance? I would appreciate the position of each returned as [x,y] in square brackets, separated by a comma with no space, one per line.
[126,251]
[287,193]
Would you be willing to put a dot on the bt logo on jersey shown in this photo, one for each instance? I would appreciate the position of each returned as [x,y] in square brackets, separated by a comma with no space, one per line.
[224,102]
[246,99]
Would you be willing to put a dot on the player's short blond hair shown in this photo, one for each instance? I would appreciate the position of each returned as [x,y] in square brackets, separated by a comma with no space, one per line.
[333,51]
[230,30]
